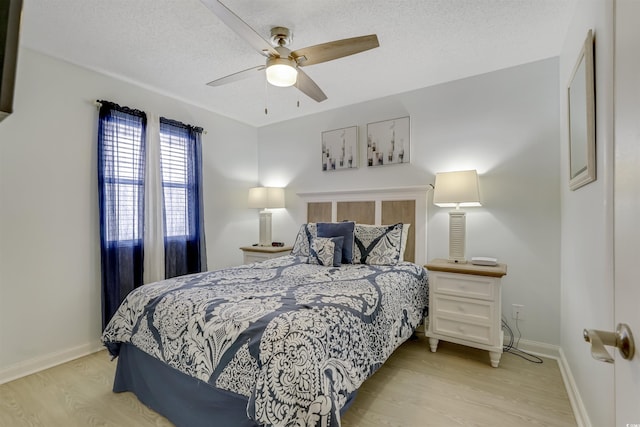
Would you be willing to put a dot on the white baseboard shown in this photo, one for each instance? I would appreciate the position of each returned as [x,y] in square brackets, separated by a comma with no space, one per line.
[579,410]
[538,348]
[555,352]
[27,367]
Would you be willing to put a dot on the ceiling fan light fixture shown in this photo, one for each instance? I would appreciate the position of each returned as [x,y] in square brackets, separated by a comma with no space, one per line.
[281,72]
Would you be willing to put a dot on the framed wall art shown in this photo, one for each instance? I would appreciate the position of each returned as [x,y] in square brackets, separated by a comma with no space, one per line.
[388,142]
[581,118]
[340,149]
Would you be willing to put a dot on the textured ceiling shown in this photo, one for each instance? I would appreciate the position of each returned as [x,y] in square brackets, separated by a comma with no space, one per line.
[177,46]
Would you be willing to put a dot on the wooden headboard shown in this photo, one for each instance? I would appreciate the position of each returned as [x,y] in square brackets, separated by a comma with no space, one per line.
[381,206]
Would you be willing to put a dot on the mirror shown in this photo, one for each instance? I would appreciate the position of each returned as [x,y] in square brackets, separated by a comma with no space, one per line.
[581,120]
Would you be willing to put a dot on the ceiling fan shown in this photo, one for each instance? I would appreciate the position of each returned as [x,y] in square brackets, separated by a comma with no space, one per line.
[283,66]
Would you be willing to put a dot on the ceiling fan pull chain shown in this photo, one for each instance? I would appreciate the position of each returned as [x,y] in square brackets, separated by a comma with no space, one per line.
[266,98]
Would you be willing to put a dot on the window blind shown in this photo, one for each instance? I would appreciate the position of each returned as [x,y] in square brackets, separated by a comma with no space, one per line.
[123,174]
[176,183]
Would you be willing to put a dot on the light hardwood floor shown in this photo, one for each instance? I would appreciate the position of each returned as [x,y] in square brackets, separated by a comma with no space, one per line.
[415,388]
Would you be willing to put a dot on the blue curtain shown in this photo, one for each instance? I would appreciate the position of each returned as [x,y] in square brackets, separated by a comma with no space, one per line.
[183,217]
[121,166]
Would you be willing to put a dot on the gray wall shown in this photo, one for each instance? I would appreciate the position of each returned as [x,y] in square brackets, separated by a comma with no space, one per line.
[504,124]
[49,240]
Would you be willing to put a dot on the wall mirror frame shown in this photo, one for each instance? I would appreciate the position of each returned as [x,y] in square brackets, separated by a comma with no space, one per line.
[581,118]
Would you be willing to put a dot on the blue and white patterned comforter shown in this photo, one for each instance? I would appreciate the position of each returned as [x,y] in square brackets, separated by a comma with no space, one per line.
[295,339]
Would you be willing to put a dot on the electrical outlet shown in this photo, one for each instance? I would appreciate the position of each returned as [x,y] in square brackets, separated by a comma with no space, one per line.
[517,311]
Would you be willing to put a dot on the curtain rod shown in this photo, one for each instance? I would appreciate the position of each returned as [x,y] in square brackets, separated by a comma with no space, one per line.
[98,104]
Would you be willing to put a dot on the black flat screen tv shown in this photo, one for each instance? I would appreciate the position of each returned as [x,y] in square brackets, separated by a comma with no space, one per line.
[10,11]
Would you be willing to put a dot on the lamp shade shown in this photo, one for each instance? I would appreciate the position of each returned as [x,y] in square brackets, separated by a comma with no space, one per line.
[266,197]
[456,189]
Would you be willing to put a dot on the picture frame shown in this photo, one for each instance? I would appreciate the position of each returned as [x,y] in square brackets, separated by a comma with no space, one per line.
[389,142]
[581,118]
[10,12]
[340,149]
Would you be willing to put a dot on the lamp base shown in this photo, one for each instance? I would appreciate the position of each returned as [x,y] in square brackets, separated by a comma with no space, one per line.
[265,228]
[457,236]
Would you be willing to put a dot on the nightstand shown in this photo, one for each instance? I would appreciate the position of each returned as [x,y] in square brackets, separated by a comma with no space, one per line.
[465,306]
[261,253]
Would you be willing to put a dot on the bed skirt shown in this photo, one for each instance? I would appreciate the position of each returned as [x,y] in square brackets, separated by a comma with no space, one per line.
[183,400]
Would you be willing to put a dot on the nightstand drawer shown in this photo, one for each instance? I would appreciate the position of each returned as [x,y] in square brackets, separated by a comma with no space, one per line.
[482,334]
[465,309]
[465,285]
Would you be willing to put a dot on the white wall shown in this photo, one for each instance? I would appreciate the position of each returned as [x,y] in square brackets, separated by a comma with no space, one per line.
[587,227]
[504,124]
[49,232]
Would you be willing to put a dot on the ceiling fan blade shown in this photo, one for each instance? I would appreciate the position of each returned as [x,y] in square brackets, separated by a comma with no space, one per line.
[243,29]
[334,50]
[240,75]
[309,87]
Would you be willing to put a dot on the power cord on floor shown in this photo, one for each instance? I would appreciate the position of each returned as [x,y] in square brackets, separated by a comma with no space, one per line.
[513,348]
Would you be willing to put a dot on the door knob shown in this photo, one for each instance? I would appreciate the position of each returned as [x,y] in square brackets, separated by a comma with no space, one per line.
[622,339]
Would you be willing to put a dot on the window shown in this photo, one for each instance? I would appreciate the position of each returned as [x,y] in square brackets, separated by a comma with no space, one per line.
[122,161]
[180,167]
[177,187]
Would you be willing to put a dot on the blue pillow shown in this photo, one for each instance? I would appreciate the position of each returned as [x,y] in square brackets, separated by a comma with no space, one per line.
[326,251]
[337,229]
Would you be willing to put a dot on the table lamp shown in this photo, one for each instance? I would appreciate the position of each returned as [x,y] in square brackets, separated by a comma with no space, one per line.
[266,198]
[457,189]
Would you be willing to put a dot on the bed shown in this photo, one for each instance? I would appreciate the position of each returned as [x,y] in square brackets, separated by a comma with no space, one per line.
[282,342]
